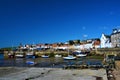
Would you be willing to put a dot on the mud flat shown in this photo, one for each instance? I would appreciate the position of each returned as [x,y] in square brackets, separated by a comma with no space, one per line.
[20,73]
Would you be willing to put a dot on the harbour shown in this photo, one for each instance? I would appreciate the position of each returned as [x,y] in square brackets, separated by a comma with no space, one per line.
[46,62]
[61,62]
[52,69]
[60,40]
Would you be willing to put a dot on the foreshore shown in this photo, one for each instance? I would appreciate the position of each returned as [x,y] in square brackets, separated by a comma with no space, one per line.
[24,73]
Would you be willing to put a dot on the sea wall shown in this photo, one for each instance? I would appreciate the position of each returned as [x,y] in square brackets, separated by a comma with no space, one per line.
[108,51]
[37,53]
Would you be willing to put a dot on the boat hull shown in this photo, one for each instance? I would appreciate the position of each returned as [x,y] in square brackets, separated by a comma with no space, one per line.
[31,63]
[19,56]
[69,58]
[43,56]
[81,55]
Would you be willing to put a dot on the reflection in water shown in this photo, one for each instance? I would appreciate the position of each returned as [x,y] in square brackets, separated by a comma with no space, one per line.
[41,62]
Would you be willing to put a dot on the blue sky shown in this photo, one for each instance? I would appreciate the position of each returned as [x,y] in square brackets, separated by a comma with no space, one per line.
[49,21]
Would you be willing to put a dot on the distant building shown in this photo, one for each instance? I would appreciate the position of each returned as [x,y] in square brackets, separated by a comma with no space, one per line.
[88,44]
[60,46]
[96,43]
[115,38]
[105,41]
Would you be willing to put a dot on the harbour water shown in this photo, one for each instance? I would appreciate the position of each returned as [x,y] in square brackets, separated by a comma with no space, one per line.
[45,62]
[1,56]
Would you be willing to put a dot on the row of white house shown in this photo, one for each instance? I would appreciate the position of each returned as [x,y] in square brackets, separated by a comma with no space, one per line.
[103,43]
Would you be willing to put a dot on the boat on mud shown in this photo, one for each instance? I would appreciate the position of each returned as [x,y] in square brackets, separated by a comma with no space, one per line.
[69,57]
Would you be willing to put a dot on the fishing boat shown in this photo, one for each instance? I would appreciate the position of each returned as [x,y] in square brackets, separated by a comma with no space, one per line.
[69,57]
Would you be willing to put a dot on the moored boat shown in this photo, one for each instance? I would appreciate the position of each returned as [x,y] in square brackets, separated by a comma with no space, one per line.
[10,55]
[31,62]
[30,55]
[81,55]
[69,57]
[77,51]
[19,55]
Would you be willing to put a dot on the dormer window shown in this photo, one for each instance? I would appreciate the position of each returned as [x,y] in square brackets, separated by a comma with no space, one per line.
[118,30]
[115,31]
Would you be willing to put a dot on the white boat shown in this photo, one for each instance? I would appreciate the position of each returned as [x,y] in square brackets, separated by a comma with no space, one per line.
[19,55]
[77,51]
[57,55]
[69,57]
[30,55]
[44,56]
[81,55]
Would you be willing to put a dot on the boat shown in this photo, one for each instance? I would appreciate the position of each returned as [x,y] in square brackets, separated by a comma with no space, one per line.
[30,55]
[69,57]
[10,55]
[57,55]
[44,56]
[77,51]
[81,55]
[19,55]
[31,62]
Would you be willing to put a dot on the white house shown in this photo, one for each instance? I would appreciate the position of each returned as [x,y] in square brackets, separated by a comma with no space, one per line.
[86,45]
[105,41]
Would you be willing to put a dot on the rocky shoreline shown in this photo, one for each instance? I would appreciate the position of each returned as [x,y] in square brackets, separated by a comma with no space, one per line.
[23,73]
[116,72]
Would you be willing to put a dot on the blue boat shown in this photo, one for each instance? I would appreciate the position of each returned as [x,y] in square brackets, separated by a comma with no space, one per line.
[30,62]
